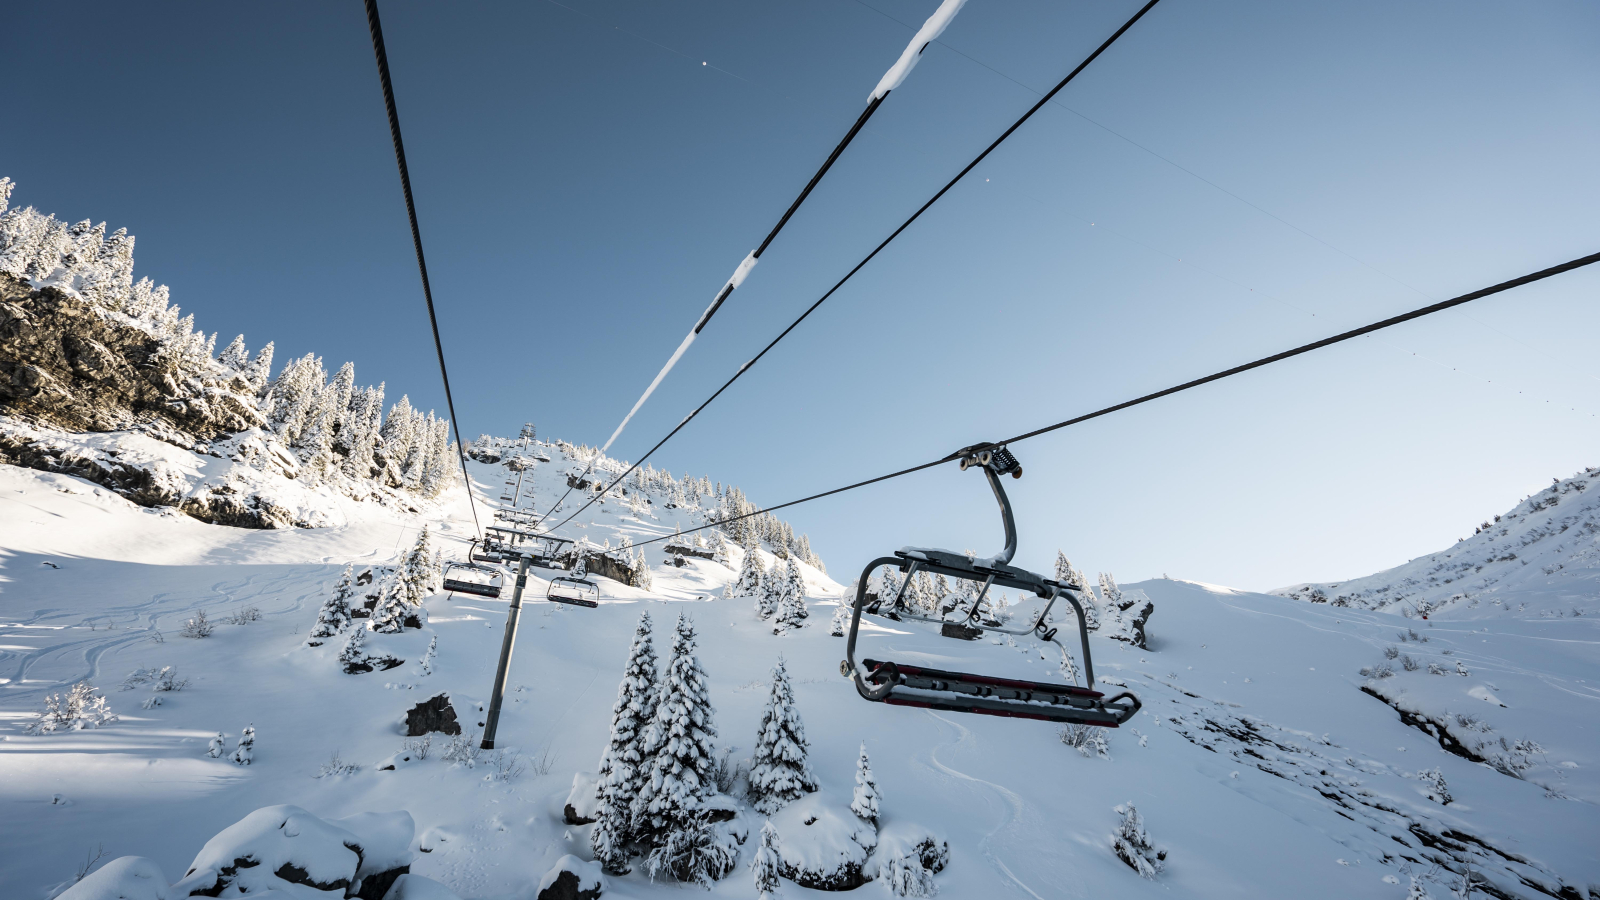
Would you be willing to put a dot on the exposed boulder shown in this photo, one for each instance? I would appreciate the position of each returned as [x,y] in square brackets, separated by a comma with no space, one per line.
[572,879]
[288,849]
[582,800]
[433,714]
[822,847]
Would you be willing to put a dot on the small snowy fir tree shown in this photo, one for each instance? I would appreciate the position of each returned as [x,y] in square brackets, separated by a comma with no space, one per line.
[389,616]
[773,588]
[642,578]
[779,772]
[427,658]
[622,765]
[218,746]
[766,866]
[418,575]
[334,617]
[751,576]
[1132,844]
[244,753]
[234,356]
[1419,891]
[865,802]
[353,658]
[842,614]
[679,744]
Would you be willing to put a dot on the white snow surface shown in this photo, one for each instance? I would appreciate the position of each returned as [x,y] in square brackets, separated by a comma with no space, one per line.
[127,878]
[1258,762]
[927,34]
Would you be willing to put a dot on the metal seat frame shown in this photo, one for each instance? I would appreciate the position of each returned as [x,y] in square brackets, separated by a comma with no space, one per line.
[578,581]
[457,586]
[899,684]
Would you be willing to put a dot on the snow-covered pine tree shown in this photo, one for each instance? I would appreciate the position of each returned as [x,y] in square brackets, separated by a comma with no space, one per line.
[235,356]
[1110,594]
[865,801]
[751,577]
[1418,891]
[766,865]
[260,369]
[244,753]
[398,433]
[623,765]
[779,771]
[642,578]
[340,390]
[415,580]
[839,625]
[353,657]
[334,617]
[679,742]
[1132,843]
[796,588]
[363,438]
[773,587]
[316,443]
[389,616]
[217,747]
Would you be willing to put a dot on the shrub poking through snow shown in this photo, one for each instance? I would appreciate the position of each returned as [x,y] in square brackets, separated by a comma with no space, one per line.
[698,852]
[427,658]
[1132,844]
[1438,791]
[1089,740]
[217,747]
[197,627]
[766,864]
[245,752]
[679,745]
[1418,891]
[245,615]
[79,708]
[906,859]
[623,766]
[779,772]
[160,680]
[334,616]
[865,801]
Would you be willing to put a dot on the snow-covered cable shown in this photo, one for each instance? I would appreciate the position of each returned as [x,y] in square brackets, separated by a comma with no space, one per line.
[875,251]
[892,79]
[927,34]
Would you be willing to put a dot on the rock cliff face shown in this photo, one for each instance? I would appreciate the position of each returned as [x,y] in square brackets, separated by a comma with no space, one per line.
[84,394]
[64,363]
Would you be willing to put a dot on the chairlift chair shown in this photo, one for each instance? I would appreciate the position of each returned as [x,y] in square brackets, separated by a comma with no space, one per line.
[902,684]
[575,589]
[472,578]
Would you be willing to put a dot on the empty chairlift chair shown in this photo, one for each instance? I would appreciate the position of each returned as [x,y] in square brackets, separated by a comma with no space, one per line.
[472,578]
[903,684]
[575,589]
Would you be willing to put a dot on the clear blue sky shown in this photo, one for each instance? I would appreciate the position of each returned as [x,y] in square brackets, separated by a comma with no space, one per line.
[1229,180]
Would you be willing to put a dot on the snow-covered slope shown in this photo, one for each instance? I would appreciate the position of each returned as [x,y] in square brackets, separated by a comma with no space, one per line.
[1541,557]
[1259,764]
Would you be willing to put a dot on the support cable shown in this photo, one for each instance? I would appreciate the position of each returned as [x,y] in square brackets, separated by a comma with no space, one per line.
[868,258]
[1540,275]
[376,28]
[893,78]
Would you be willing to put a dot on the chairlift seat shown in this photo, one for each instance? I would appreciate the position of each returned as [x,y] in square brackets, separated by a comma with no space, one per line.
[988,695]
[583,592]
[470,578]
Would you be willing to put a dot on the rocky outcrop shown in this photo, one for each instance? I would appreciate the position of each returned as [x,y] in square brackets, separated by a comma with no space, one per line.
[66,363]
[433,714]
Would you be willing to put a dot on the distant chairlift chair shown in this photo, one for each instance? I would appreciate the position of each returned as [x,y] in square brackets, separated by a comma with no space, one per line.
[900,684]
[575,589]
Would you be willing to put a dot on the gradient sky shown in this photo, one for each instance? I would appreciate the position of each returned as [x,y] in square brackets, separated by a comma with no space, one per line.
[1229,180]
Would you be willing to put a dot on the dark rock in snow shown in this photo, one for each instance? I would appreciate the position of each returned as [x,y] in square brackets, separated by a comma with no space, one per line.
[571,879]
[433,714]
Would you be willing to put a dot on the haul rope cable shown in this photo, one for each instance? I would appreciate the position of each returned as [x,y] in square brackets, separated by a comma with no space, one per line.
[1540,275]
[376,28]
[868,258]
[891,80]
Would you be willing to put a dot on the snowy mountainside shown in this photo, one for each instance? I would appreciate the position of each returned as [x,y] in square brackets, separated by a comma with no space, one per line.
[1544,554]
[1259,764]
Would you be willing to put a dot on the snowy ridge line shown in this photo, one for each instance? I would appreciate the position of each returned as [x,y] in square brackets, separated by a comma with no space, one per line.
[376,27]
[886,241]
[1424,839]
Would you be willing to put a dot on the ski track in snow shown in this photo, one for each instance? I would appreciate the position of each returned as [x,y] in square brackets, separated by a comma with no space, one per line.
[1013,806]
